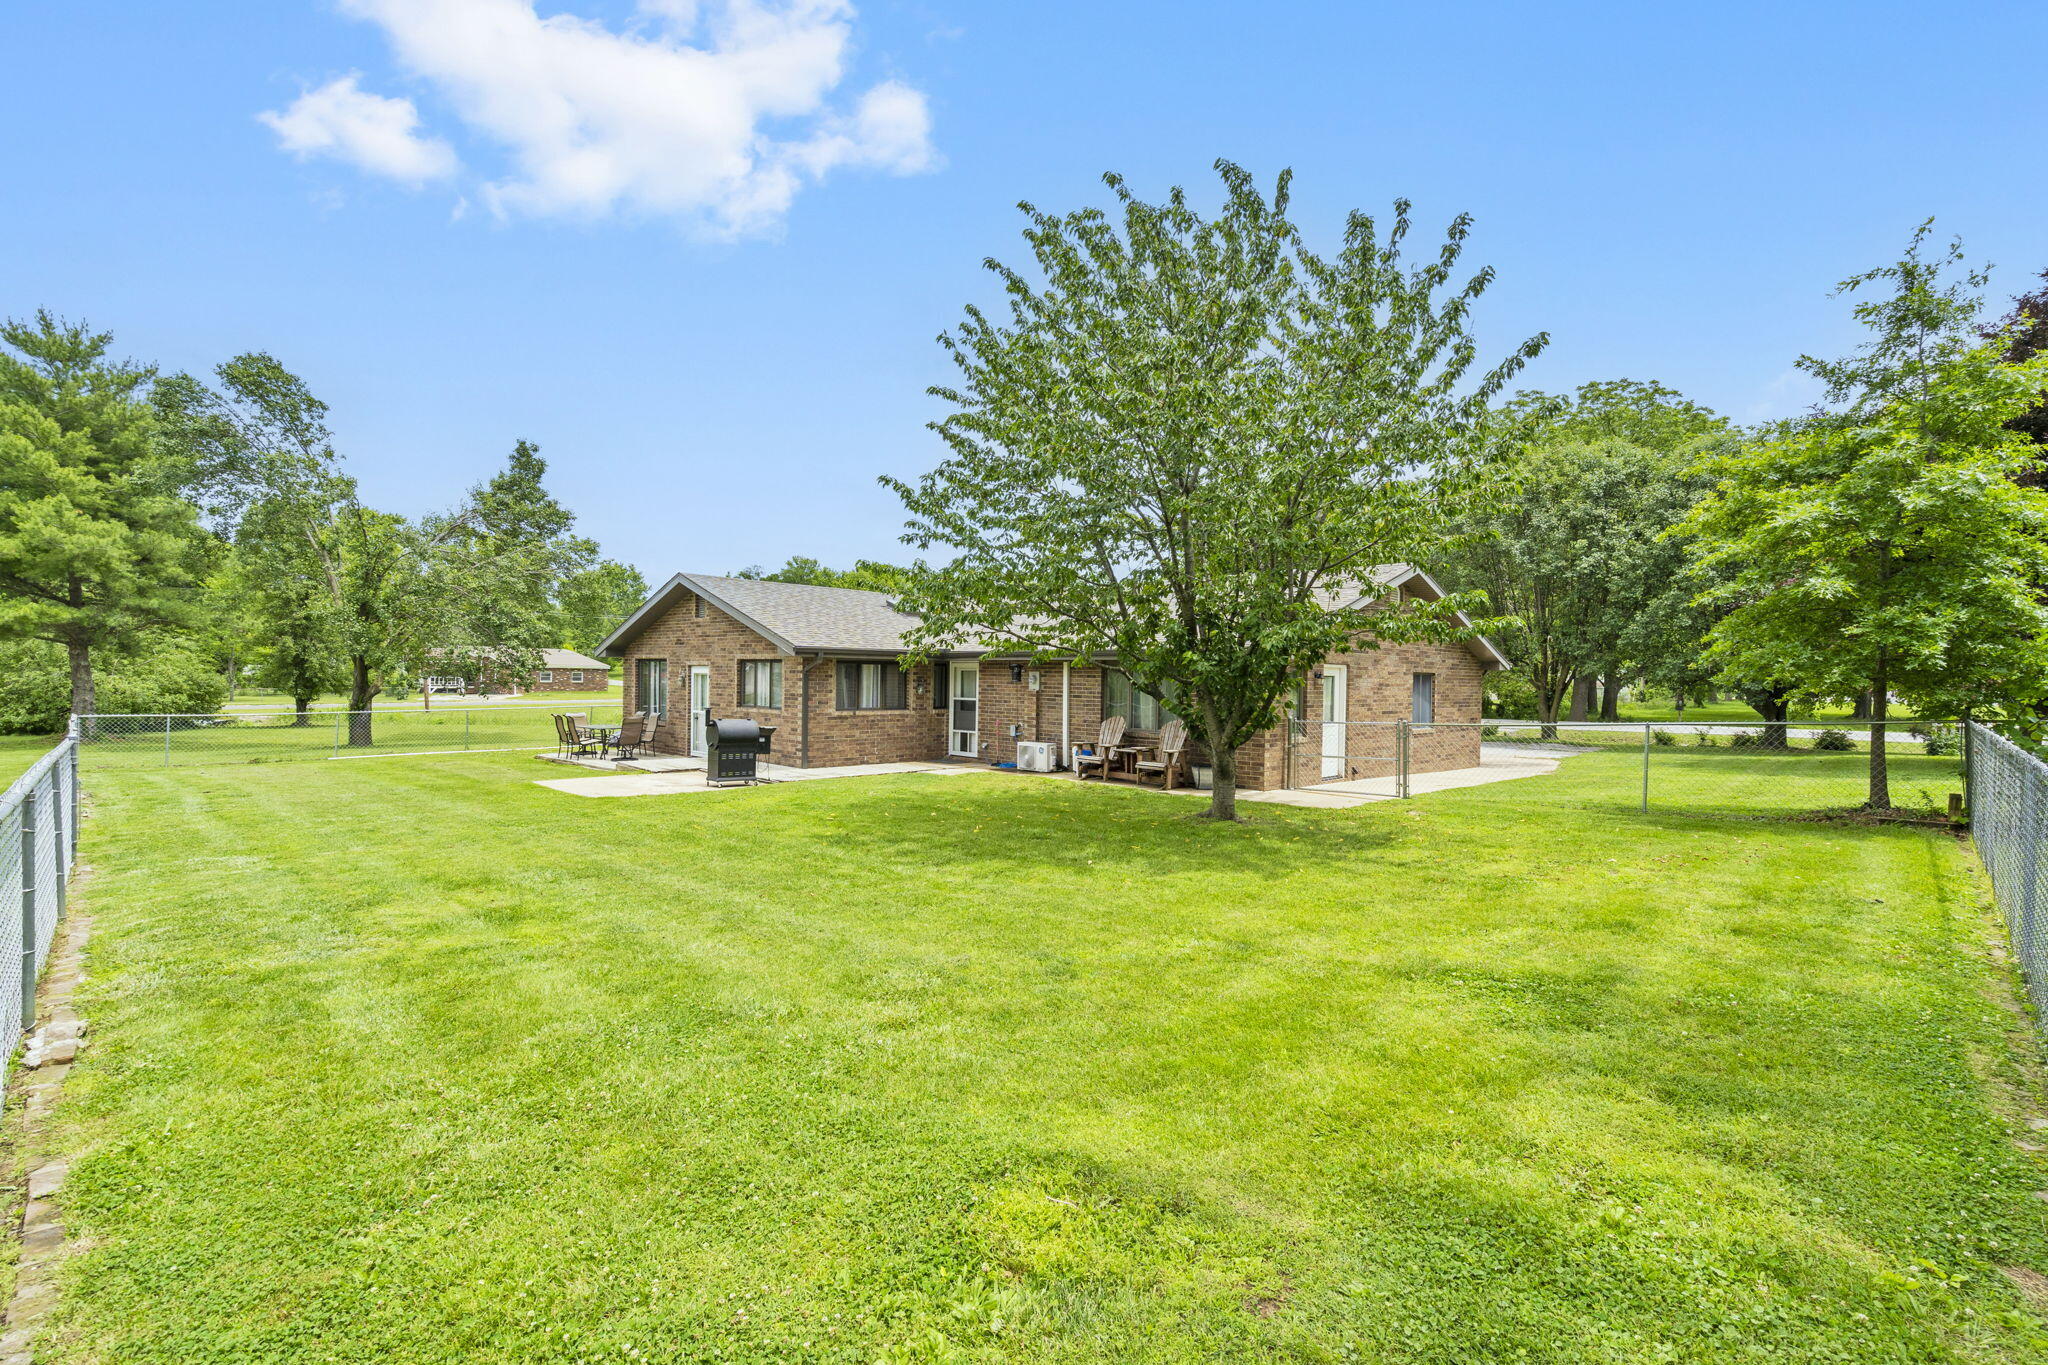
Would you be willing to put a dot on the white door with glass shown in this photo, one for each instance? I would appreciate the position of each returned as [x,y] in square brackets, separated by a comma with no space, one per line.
[700,697]
[966,700]
[1336,710]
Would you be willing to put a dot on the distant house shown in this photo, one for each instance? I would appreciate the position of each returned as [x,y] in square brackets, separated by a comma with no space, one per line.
[821,665]
[561,670]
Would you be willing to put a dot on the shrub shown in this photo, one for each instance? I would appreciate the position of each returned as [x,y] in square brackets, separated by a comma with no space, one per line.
[1510,696]
[1708,740]
[1748,739]
[1489,732]
[1940,740]
[35,685]
[1834,742]
[1663,737]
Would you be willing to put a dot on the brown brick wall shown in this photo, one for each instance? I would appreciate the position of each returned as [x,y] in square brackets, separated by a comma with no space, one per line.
[594,680]
[1379,691]
[716,641]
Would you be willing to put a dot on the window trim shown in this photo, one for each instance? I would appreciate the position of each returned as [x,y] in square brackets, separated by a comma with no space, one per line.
[576,675]
[546,675]
[775,692]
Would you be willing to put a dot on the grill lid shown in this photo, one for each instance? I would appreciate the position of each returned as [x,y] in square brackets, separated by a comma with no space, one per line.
[735,729]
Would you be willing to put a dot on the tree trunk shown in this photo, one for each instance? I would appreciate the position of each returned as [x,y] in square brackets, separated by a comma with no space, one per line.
[1582,698]
[299,715]
[1222,763]
[361,689]
[1880,706]
[1862,708]
[1610,698]
[1546,710]
[1771,704]
[84,692]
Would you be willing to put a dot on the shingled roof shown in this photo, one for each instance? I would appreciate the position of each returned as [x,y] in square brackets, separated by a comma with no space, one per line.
[803,618]
[796,617]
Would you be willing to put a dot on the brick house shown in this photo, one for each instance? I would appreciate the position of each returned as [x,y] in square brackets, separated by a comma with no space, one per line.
[561,670]
[821,666]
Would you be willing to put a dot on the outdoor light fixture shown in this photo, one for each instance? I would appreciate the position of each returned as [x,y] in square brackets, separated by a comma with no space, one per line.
[1016,673]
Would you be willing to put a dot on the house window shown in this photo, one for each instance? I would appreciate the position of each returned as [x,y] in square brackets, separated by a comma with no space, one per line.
[650,686]
[871,687]
[576,676]
[1423,690]
[761,683]
[1139,708]
[547,675]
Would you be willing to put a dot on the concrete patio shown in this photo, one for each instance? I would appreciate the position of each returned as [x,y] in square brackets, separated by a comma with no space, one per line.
[668,775]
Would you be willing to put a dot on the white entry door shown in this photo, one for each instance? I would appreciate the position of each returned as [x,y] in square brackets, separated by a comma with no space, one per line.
[1336,710]
[966,708]
[700,697]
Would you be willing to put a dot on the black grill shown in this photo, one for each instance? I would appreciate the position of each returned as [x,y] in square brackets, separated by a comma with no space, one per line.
[733,749]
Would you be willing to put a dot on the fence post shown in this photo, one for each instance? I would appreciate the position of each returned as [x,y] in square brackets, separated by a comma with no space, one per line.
[337,732]
[1646,770]
[74,802]
[58,890]
[1401,731]
[2030,846]
[1969,765]
[28,911]
[465,728]
[167,741]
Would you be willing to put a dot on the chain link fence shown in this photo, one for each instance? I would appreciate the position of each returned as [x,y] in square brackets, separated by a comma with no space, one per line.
[2009,825]
[38,847]
[165,741]
[1760,770]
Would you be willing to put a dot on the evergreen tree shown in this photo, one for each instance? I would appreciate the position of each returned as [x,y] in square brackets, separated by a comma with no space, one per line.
[96,543]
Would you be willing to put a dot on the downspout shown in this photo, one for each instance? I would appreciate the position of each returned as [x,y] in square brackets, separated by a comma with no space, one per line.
[1066,741]
[803,726]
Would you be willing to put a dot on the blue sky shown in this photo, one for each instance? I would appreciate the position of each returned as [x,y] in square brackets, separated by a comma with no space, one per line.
[689,248]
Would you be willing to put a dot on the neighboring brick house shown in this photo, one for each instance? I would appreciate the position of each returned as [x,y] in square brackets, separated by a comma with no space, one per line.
[561,670]
[821,666]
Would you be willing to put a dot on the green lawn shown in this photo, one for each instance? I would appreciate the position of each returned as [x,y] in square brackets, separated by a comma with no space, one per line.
[257,700]
[411,1060]
[1736,713]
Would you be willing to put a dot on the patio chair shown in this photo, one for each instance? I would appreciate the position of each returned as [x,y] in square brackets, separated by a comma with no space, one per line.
[1104,753]
[1166,758]
[581,741]
[634,732]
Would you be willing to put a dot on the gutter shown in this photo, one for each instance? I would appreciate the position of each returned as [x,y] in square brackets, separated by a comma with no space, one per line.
[1066,740]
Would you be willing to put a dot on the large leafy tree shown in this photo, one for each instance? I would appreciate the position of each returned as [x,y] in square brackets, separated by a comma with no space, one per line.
[350,594]
[97,543]
[1883,545]
[592,601]
[868,575]
[1573,556]
[1192,436]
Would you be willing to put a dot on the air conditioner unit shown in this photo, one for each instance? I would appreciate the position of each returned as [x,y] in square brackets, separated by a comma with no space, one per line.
[1034,756]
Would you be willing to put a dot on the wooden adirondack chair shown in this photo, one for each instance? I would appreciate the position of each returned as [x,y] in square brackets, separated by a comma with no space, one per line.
[1166,759]
[1106,742]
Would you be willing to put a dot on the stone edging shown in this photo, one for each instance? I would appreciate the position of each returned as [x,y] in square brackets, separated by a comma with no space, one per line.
[51,1049]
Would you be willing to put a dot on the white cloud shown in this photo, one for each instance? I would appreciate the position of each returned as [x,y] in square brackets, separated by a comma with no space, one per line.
[377,133]
[716,113]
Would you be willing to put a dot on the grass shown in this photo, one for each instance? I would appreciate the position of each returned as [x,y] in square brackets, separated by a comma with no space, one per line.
[1738,713]
[255,699]
[241,739]
[412,1060]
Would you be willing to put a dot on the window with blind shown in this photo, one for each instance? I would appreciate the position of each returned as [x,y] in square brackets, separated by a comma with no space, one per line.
[650,686]
[761,683]
[872,687]
[1139,708]
[1423,693]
